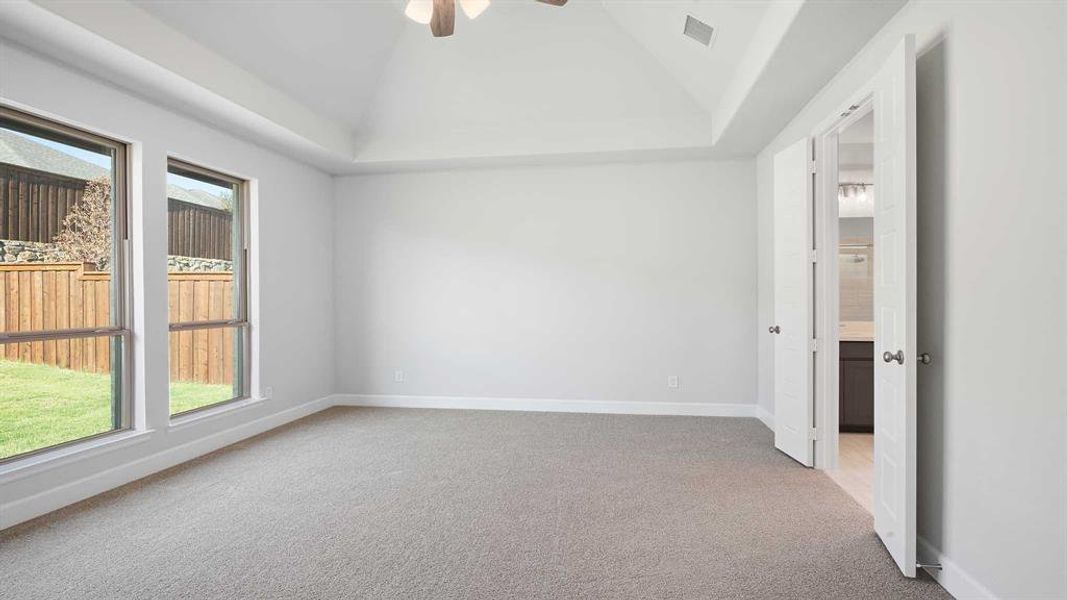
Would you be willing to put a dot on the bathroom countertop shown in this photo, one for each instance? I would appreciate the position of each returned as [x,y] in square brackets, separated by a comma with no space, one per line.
[857,331]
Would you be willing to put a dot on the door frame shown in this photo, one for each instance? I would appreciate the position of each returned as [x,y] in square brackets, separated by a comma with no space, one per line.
[826,285]
[893,86]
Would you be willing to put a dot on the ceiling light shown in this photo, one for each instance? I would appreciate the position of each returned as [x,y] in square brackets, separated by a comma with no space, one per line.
[440,15]
[420,11]
[473,8]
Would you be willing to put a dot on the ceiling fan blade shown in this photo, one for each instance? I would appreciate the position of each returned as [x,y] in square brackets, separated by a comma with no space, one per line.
[554,2]
[443,22]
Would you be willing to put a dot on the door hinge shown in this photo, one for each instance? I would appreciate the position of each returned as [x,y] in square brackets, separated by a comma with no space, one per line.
[814,345]
[813,434]
[813,166]
[813,255]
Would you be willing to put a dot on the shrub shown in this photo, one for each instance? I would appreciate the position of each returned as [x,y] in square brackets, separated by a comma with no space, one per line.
[86,235]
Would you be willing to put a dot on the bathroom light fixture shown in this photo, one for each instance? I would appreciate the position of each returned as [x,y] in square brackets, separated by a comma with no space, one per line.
[440,15]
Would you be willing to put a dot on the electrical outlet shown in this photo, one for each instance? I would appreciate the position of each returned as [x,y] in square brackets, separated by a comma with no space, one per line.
[398,376]
[672,381]
[268,392]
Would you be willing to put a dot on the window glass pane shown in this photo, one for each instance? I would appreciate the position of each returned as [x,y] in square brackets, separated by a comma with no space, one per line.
[205,284]
[60,270]
[202,238]
[204,367]
[44,404]
[58,231]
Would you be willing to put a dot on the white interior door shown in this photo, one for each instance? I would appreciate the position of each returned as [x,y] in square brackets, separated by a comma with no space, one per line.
[792,329]
[894,305]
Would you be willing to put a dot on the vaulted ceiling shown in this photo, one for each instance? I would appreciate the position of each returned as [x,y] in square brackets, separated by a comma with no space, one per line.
[367,89]
[327,55]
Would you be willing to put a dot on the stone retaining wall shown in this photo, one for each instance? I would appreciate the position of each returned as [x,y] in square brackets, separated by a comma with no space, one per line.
[189,263]
[17,251]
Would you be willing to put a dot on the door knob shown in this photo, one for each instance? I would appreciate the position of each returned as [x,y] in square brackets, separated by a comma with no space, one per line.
[889,357]
[774,329]
[925,358]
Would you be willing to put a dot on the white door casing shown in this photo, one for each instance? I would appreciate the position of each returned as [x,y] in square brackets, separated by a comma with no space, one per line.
[895,493]
[793,364]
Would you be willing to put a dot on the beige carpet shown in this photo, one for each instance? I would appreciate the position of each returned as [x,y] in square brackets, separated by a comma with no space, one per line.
[392,503]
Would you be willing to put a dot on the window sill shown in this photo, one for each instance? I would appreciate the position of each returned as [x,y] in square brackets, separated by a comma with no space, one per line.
[210,414]
[51,459]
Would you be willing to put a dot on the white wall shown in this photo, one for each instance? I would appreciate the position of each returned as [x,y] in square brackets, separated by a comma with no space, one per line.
[589,282]
[992,284]
[292,212]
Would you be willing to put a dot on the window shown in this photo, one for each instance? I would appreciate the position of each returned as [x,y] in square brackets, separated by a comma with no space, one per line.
[63,320]
[207,287]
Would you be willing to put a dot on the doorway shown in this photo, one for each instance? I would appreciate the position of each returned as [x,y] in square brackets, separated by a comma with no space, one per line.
[807,327]
[854,264]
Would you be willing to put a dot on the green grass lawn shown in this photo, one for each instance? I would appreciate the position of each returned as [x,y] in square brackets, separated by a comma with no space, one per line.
[42,406]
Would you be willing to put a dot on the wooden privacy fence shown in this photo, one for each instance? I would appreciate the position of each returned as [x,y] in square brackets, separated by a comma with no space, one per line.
[199,231]
[33,205]
[202,355]
[36,297]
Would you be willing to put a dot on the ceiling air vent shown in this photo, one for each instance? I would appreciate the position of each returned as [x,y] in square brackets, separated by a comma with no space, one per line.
[698,30]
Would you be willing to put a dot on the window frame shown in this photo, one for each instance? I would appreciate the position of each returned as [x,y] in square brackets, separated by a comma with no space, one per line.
[241,280]
[121,288]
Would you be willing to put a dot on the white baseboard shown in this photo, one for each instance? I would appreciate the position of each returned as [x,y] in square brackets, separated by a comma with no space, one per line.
[765,416]
[702,409]
[24,509]
[961,584]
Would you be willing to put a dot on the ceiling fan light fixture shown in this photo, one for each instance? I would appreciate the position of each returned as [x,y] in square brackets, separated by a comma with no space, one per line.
[420,11]
[440,15]
[473,8]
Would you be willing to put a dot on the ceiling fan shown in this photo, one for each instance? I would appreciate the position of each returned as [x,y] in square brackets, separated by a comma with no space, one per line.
[440,15]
